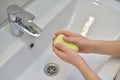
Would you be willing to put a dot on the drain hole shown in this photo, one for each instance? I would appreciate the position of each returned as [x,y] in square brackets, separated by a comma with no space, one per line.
[31,45]
[51,69]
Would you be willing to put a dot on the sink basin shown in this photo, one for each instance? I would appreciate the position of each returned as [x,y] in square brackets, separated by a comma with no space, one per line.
[90,18]
[4,36]
[9,46]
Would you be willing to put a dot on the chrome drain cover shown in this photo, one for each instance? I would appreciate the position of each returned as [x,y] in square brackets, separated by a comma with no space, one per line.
[51,69]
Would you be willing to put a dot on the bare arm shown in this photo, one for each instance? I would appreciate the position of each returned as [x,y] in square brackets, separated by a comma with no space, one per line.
[86,46]
[73,58]
[92,46]
[86,71]
[106,47]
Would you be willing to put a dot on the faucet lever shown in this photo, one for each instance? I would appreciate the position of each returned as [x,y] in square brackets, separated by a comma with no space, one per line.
[16,11]
[21,21]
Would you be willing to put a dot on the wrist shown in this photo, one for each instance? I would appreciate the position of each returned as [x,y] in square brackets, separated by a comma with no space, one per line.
[93,45]
[79,61]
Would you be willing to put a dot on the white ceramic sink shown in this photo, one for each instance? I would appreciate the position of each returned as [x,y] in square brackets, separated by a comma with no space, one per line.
[4,35]
[91,18]
[9,45]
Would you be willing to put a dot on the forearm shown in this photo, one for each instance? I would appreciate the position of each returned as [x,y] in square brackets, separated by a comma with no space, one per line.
[107,47]
[86,71]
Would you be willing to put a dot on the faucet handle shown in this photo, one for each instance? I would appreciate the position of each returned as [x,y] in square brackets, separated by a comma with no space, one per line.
[17,11]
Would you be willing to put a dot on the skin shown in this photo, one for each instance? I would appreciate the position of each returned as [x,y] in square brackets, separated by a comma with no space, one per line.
[85,46]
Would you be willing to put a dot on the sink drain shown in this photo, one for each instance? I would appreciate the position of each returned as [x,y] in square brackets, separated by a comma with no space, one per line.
[51,69]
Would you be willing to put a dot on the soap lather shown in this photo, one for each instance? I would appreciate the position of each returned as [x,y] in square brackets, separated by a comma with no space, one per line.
[59,39]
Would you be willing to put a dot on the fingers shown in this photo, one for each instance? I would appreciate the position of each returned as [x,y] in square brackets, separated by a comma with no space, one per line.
[58,52]
[74,40]
[66,33]
[54,38]
[64,49]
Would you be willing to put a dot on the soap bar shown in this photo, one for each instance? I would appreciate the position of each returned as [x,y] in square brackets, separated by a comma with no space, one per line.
[59,39]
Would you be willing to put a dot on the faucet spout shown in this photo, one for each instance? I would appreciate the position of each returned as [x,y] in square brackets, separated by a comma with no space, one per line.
[22,22]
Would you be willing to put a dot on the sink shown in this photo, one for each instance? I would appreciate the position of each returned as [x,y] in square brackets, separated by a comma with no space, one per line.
[9,46]
[4,36]
[90,18]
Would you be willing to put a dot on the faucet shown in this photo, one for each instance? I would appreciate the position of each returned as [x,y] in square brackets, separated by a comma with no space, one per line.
[21,22]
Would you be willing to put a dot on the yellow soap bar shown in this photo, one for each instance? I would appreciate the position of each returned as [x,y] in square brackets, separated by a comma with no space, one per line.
[59,39]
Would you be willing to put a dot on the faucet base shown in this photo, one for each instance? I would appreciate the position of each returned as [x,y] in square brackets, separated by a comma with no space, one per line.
[16,32]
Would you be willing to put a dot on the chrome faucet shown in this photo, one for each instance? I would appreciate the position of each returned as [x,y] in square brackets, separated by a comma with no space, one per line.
[21,22]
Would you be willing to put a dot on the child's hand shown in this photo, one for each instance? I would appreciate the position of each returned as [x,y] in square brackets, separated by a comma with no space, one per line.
[72,57]
[66,54]
[84,44]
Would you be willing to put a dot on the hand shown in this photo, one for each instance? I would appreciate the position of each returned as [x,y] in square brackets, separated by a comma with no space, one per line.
[84,44]
[67,54]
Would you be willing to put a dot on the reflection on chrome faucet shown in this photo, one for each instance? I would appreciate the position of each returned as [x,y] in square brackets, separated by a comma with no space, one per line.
[21,21]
